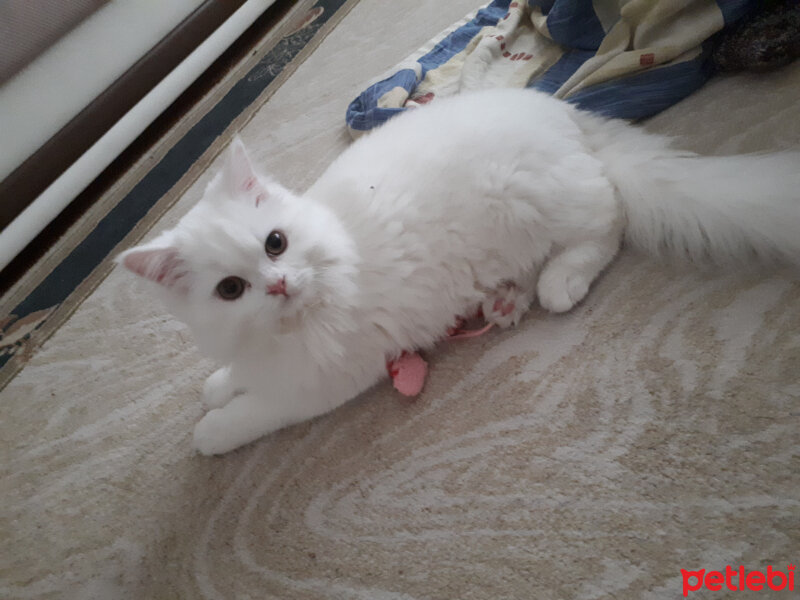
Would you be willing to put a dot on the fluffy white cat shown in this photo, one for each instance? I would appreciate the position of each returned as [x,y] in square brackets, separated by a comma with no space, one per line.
[506,194]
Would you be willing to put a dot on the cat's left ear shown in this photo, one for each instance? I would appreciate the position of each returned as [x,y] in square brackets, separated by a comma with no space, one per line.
[239,177]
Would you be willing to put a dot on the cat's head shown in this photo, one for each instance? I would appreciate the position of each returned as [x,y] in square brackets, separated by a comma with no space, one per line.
[250,259]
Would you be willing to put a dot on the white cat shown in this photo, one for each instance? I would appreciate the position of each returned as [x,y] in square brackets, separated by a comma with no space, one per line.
[506,194]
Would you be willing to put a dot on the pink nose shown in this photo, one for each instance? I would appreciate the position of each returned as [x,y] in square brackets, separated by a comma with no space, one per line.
[278,289]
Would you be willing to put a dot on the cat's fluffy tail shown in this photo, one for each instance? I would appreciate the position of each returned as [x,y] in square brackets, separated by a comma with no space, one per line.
[679,204]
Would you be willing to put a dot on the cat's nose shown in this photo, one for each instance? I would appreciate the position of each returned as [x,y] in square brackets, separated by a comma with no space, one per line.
[278,289]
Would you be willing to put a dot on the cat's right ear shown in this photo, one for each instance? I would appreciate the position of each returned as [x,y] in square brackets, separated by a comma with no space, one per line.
[238,174]
[160,265]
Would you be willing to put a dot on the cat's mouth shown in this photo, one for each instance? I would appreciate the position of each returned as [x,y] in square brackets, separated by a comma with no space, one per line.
[278,288]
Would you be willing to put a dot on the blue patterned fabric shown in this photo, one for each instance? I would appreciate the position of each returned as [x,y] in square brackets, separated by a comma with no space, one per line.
[605,56]
[365,111]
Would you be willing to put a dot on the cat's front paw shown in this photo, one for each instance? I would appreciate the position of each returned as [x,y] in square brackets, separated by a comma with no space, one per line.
[217,390]
[214,434]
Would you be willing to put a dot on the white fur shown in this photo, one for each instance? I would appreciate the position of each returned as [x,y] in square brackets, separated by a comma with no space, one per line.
[504,194]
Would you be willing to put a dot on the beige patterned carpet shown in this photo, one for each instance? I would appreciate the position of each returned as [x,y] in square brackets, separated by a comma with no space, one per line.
[589,456]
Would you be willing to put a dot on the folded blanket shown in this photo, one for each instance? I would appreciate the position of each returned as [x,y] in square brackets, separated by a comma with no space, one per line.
[621,58]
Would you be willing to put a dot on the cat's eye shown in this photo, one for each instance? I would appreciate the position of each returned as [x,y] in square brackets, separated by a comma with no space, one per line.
[276,243]
[231,288]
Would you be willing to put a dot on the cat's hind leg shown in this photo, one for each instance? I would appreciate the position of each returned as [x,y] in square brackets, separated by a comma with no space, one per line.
[566,276]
